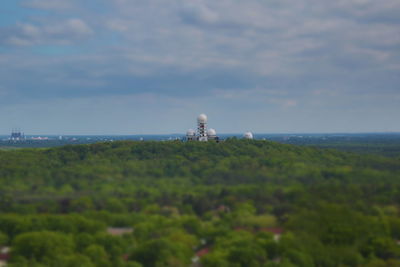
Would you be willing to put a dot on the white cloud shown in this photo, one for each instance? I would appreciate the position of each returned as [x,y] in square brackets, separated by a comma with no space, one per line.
[30,30]
[198,12]
[60,32]
[261,37]
[266,38]
[118,25]
[73,26]
[49,4]
[17,41]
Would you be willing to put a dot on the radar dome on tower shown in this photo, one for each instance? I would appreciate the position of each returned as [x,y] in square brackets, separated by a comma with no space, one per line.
[202,118]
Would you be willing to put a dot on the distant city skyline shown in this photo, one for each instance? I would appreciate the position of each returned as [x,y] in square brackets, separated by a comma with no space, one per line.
[143,67]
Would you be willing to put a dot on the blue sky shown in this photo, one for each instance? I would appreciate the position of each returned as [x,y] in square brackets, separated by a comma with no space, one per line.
[150,66]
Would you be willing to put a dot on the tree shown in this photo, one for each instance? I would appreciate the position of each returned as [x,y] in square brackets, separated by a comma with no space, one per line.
[3,239]
[162,252]
[98,255]
[42,246]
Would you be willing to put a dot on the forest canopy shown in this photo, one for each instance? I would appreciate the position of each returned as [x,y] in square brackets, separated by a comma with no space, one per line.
[234,203]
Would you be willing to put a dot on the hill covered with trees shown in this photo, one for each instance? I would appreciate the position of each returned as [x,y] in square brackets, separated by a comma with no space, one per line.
[235,203]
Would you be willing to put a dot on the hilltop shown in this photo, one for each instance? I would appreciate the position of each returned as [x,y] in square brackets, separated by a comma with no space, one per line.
[224,199]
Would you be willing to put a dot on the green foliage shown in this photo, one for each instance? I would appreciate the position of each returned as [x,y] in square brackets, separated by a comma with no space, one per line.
[16,224]
[42,246]
[3,239]
[97,254]
[240,248]
[336,208]
[162,252]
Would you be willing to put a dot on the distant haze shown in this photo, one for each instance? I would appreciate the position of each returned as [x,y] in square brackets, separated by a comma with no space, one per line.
[136,67]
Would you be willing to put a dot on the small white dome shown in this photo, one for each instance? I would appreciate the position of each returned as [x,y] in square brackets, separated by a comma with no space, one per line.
[248,135]
[211,132]
[202,118]
[190,132]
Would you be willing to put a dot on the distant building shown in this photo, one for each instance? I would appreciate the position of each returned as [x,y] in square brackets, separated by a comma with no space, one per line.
[119,231]
[191,135]
[212,134]
[17,135]
[202,134]
[248,135]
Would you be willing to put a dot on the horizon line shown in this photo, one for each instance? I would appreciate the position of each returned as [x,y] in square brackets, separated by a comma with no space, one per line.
[232,133]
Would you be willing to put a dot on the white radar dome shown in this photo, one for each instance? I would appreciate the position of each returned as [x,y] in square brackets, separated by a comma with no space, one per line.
[248,135]
[190,132]
[202,118]
[211,132]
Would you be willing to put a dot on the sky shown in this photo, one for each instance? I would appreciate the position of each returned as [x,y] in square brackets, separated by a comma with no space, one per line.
[151,66]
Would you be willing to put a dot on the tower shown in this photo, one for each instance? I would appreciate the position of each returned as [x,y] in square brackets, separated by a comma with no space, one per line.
[202,127]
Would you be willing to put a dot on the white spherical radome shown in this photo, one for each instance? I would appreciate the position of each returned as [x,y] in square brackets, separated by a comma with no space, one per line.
[211,132]
[191,132]
[202,118]
[248,135]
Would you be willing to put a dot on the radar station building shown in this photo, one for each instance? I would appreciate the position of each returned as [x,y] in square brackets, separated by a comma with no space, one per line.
[203,134]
